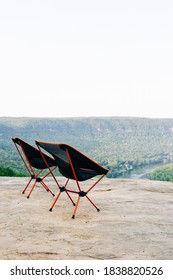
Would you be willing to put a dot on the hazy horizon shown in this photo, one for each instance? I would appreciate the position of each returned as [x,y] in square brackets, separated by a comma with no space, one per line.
[86,58]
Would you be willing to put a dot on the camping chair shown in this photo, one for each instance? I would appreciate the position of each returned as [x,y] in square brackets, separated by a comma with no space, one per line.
[32,159]
[74,165]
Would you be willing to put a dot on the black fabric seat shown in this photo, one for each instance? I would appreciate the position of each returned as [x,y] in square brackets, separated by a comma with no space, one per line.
[33,155]
[32,160]
[85,168]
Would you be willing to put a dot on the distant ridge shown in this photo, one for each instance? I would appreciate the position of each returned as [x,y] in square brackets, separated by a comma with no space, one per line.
[119,143]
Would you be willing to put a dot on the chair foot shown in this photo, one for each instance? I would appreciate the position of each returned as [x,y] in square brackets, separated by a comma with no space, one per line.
[28,196]
[98,209]
[73,217]
[23,192]
[50,209]
[74,204]
[53,194]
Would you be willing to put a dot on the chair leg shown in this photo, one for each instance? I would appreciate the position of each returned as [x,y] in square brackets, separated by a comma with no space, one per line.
[83,194]
[46,188]
[32,189]
[92,203]
[77,203]
[70,198]
[27,186]
[55,201]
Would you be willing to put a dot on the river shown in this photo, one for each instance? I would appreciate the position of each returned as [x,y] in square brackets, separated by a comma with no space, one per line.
[142,173]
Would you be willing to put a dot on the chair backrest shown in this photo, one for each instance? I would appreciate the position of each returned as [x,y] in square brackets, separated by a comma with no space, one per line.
[33,155]
[66,156]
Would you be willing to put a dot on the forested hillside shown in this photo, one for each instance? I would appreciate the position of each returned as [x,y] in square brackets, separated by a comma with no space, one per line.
[119,143]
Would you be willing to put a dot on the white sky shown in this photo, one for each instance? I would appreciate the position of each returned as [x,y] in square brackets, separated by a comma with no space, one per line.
[64,58]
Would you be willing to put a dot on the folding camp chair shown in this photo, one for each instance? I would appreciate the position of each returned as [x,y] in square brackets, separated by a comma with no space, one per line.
[33,160]
[74,165]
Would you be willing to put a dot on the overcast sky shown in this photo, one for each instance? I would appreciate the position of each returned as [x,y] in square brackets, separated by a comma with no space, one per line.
[68,58]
